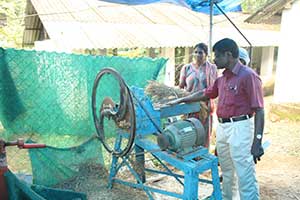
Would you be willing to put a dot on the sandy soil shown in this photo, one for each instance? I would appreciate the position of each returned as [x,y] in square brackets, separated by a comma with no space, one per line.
[279,171]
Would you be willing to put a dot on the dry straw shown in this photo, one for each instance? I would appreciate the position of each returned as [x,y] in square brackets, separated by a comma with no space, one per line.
[160,94]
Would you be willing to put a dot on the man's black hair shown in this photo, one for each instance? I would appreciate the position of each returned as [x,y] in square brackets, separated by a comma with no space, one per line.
[203,47]
[227,44]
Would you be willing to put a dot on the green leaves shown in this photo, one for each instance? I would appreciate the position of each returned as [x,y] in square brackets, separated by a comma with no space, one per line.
[12,23]
[251,6]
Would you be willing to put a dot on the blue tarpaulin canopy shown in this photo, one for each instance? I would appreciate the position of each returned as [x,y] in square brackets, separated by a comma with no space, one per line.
[195,5]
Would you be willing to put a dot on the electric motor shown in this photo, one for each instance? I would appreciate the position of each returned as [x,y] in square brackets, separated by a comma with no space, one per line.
[182,136]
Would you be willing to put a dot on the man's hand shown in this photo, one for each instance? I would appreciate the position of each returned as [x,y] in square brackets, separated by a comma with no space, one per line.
[257,150]
[175,101]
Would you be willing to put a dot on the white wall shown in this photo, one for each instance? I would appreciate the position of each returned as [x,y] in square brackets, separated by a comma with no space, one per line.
[267,62]
[288,68]
[51,45]
[170,67]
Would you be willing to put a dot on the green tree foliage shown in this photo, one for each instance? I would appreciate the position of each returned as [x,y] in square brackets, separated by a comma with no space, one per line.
[11,22]
[250,6]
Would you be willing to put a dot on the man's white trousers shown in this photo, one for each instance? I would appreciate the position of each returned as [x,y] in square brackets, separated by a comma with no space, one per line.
[234,141]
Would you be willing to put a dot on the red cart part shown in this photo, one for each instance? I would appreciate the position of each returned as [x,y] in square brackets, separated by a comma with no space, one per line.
[29,146]
[3,169]
[3,162]
[3,186]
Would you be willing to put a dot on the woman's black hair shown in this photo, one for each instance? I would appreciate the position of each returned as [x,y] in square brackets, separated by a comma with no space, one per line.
[202,46]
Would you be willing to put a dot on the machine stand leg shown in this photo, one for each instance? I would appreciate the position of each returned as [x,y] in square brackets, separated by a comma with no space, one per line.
[113,171]
[190,186]
[140,163]
[216,180]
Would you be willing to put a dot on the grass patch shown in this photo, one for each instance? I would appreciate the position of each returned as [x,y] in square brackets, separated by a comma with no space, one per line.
[289,111]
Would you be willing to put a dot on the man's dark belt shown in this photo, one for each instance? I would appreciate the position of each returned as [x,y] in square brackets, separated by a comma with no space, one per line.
[234,119]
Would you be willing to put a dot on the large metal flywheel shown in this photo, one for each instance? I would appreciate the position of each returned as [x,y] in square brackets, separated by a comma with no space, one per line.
[113,112]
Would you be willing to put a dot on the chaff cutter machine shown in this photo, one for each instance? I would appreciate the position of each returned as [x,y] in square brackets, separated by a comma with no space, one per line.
[127,125]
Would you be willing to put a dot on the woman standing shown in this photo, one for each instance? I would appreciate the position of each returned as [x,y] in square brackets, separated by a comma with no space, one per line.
[198,75]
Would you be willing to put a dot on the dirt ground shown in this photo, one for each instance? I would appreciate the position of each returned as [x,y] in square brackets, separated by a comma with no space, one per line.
[278,172]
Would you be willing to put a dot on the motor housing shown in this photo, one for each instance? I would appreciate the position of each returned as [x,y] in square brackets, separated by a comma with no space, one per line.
[182,136]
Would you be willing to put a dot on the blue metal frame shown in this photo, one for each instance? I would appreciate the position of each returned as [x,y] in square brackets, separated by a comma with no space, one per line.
[148,123]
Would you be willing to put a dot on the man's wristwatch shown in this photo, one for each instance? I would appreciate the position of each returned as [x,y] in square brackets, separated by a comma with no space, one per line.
[258,136]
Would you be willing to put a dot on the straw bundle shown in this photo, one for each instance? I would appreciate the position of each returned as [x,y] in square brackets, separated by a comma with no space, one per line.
[160,94]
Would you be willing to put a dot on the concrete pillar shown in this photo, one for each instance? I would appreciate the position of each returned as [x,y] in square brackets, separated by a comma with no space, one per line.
[267,62]
[170,67]
[287,79]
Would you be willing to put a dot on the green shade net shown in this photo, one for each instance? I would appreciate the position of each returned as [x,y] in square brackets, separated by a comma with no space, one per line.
[52,166]
[50,93]
[46,96]
[20,190]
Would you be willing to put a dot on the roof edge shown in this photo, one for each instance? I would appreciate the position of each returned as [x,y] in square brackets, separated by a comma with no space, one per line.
[268,10]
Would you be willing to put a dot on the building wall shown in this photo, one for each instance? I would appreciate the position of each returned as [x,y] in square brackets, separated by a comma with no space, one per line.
[170,67]
[267,62]
[287,79]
